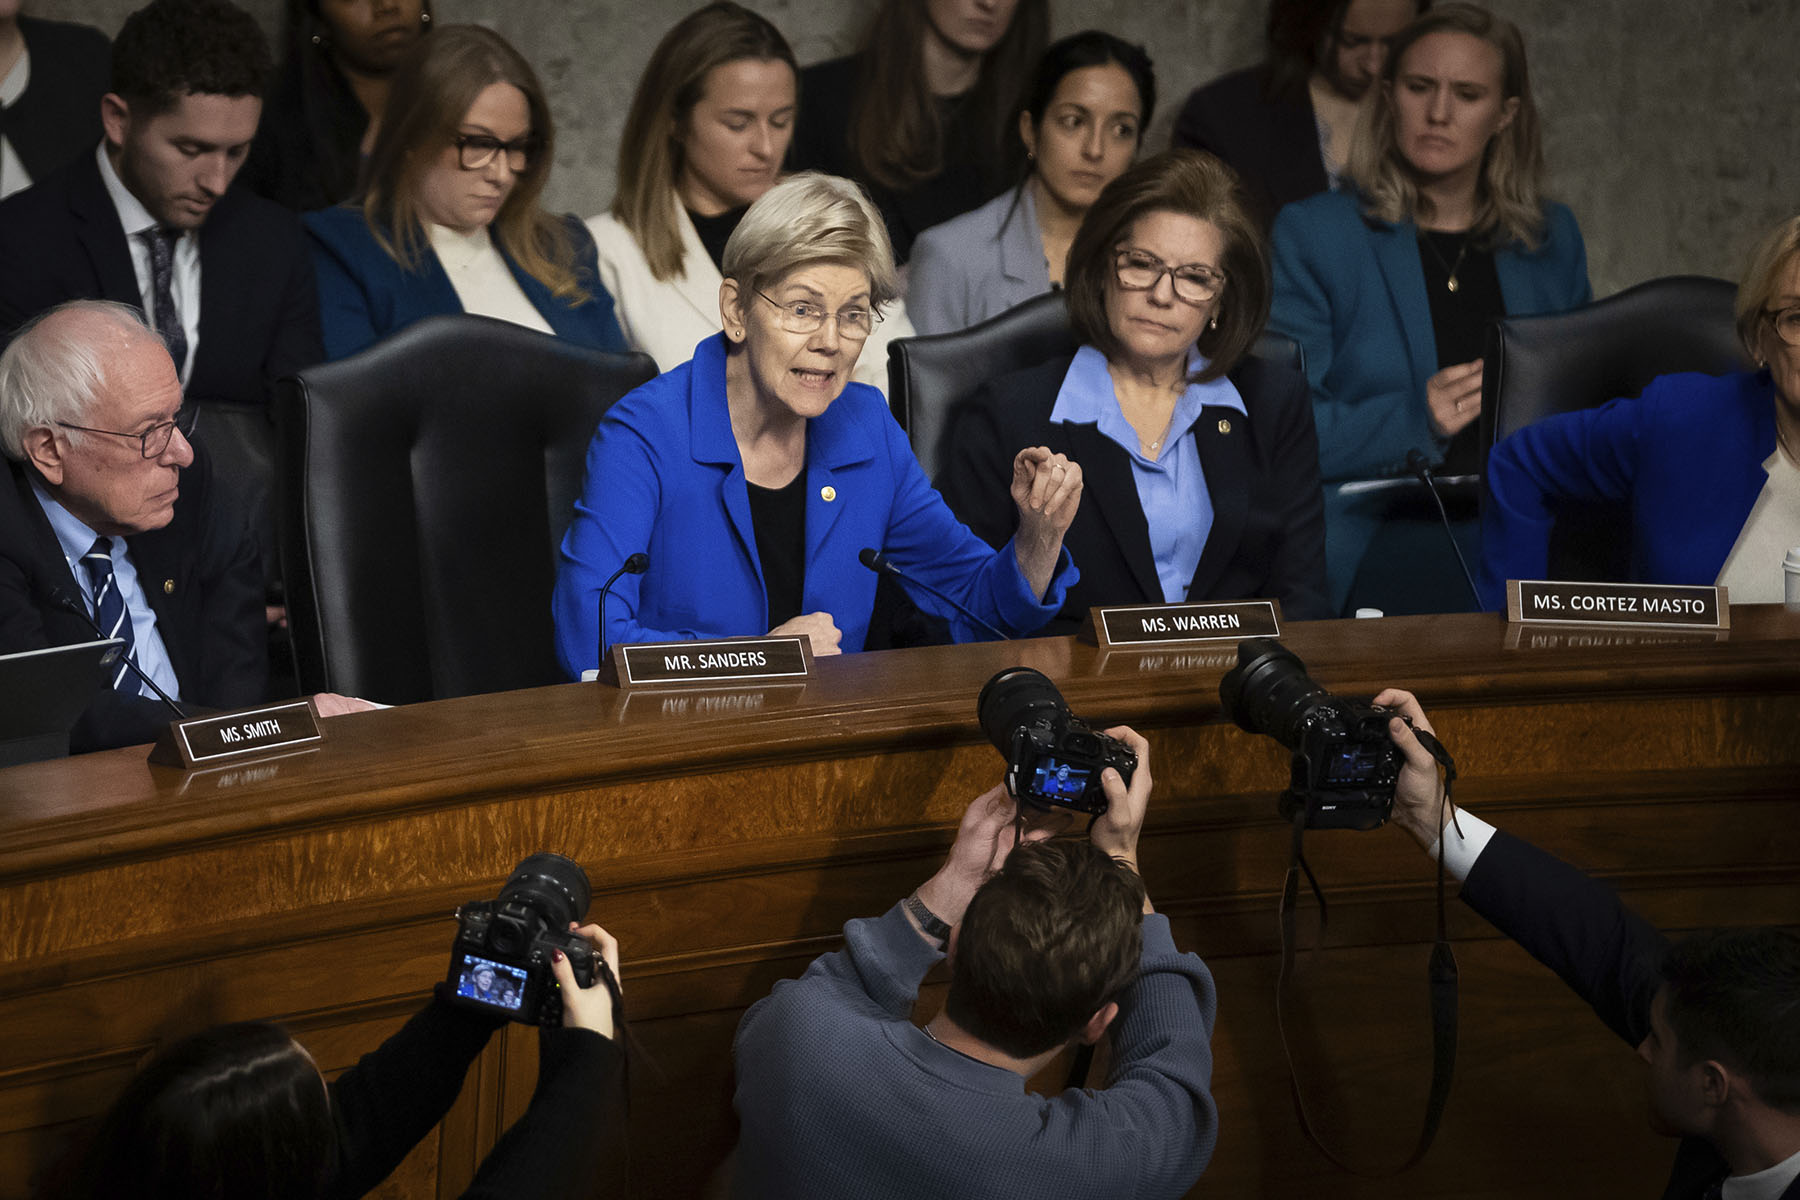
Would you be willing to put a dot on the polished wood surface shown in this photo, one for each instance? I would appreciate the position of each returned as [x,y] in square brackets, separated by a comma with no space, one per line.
[730,834]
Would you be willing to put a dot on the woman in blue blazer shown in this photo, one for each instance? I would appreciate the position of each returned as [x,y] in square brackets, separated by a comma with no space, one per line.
[449,220]
[754,475]
[1389,288]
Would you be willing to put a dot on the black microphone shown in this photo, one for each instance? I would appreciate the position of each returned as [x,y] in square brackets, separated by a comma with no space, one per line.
[61,598]
[879,563]
[637,564]
[1420,466]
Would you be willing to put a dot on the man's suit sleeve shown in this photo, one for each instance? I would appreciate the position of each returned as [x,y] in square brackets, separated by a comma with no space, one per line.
[1575,925]
[234,652]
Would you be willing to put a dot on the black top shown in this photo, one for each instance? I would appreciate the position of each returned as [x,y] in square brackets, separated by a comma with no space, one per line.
[778,516]
[57,117]
[1272,142]
[308,148]
[716,231]
[971,175]
[1459,320]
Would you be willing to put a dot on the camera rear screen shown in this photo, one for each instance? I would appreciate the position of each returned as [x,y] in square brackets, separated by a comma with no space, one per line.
[1360,764]
[491,983]
[1055,780]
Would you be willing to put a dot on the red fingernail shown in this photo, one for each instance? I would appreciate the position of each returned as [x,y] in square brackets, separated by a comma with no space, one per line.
[559,956]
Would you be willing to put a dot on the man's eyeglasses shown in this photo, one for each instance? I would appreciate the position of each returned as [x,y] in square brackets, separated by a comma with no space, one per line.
[1786,322]
[154,440]
[476,150]
[803,316]
[1138,271]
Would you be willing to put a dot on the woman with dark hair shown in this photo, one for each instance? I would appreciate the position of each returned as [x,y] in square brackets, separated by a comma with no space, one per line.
[240,1112]
[707,134]
[325,109]
[448,220]
[1082,121]
[1389,287]
[1200,460]
[919,115]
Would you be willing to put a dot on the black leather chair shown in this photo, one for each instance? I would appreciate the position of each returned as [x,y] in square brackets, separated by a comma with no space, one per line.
[427,482]
[928,376]
[1539,366]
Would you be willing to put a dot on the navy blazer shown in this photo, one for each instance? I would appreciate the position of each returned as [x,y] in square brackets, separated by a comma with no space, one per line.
[1272,144]
[1687,436]
[664,476]
[61,240]
[200,576]
[977,265]
[364,294]
[1262,474]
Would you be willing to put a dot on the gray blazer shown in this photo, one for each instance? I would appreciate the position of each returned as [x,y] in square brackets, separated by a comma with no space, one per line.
[977,265]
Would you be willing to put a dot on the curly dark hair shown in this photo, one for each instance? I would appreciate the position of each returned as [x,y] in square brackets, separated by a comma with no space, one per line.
[171,48]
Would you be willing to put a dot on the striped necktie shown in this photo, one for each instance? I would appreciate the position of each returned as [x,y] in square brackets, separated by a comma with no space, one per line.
[109,608]
[162,292]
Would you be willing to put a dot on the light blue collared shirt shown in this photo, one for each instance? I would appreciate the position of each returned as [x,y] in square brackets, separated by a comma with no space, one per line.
[1171,489]
[76,539]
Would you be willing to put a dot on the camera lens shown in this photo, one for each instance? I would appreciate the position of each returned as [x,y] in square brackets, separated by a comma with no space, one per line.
[1014,698]
[1269,691]
[550,885]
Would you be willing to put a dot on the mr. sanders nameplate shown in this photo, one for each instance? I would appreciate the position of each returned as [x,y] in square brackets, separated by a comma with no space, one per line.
[219,738]
[1157,624]
[728,662]
[1547,602]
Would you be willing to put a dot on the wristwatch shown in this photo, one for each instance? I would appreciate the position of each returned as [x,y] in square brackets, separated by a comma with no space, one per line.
[930,922]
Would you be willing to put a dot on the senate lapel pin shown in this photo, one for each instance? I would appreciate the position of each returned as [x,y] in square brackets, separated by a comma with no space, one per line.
[168,587]
[1224,425]
[828,493]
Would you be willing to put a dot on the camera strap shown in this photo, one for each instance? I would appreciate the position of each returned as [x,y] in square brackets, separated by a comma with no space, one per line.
[1441,975]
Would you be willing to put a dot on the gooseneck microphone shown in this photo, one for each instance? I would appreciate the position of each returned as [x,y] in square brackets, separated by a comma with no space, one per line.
[879,563]
[1420,466]
[637,564]
[60,598]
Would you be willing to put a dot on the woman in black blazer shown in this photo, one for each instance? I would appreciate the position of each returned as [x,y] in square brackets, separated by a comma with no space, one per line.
[1200,461]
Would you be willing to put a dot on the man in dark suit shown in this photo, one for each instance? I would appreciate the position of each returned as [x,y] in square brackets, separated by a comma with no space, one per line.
[1716,1017]
[109,516]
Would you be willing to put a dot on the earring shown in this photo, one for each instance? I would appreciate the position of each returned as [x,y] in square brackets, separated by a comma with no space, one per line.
[424,18]
[1214,323]
[318,39]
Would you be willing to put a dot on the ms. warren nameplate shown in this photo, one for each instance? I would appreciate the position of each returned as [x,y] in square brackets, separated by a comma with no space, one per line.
[1160,624]
[236,736]
[1666,606]
[728,662]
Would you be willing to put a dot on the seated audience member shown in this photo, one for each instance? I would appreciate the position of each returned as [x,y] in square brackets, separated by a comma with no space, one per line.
[1733,439]
[1712,1015]
[241,1110]
[110,517]
[52,75]
[756,474]
[1083,120]
[707,133]
[1286,125]
[921,114]
[1201,466]
[1389,287]
[449,219]
[326,103]
[1050,945]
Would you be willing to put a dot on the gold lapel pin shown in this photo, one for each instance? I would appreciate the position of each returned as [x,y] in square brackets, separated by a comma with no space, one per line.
[1224,425]
[168,587]
[828,493]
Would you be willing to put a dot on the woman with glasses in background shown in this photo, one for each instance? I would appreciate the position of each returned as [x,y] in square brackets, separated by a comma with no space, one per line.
[1201,465]
[754,476]
[449,220]
[1709,465]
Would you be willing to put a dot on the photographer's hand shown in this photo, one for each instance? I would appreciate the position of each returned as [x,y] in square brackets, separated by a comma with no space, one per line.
[589,1007]
[983,841]
[1418,792]
[1117,831]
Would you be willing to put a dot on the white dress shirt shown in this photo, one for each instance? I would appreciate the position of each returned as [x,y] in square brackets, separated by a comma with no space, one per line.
[185,285]
[1753,570]
[13,175]
[483,281]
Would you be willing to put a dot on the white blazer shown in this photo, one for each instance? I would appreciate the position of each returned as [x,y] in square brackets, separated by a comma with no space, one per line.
[667,318]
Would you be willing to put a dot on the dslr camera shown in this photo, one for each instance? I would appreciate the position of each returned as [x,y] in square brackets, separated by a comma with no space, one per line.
[1344,763]
[500,962]
[1053,760]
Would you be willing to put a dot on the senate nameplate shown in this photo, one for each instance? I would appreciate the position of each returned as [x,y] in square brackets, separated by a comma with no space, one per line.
[1669,606]
[235,736]
[1157,624]
[726,662]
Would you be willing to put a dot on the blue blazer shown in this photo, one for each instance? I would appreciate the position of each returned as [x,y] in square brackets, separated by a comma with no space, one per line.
[664,476]
[977,265]
[1687,454]
[364,295]
[1352,293]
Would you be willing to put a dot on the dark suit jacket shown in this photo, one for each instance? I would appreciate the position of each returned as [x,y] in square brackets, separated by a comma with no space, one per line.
[1268,533]
[1608,954]
[200,575]
[58,116]
[1273,145]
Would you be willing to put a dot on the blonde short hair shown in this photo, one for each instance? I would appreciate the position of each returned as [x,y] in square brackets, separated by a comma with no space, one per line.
[811,218]
[1768,262]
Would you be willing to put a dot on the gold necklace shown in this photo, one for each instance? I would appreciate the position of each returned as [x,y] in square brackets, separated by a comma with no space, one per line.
[1450,268]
